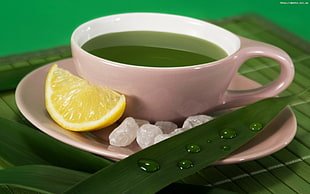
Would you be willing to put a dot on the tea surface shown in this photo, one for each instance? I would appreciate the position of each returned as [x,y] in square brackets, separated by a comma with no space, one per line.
[154,49]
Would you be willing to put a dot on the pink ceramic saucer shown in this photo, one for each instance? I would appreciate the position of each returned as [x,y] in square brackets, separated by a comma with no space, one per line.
[30,101]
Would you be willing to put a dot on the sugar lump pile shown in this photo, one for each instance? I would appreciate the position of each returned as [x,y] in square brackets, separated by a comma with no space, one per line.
[147,134]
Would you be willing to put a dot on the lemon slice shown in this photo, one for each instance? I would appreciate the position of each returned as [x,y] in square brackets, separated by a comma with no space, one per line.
[76,105]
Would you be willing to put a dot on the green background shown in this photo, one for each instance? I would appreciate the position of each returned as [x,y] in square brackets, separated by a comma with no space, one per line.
[30,25]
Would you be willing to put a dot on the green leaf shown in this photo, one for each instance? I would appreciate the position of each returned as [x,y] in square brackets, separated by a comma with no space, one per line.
[22,145]
[196,189]
[11,77]
[41,178]
[127,176]
[50,179]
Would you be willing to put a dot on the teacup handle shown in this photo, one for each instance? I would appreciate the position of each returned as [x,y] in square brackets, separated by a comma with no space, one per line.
[251,49]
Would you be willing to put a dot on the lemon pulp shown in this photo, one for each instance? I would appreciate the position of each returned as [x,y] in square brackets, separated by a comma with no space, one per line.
[77,105]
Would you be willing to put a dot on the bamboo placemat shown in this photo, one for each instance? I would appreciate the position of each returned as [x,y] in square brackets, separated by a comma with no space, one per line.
[286,171]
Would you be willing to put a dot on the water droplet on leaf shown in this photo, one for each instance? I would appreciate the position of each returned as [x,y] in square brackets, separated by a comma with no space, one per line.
[148,165]
[225,147]
[185,164]
[256,126]
[193,148]
[228,133]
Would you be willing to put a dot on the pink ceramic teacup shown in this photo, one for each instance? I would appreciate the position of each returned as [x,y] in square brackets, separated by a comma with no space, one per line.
[172,93]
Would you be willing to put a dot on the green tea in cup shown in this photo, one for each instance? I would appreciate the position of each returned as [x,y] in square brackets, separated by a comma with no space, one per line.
[154,49]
